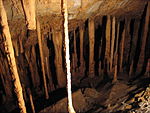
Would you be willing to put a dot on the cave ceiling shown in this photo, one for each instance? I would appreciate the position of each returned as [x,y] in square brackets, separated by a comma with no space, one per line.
[49,11]
[78,9]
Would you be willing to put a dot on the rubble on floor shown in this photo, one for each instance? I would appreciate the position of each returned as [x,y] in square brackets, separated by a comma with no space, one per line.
[118,97]
[82,102]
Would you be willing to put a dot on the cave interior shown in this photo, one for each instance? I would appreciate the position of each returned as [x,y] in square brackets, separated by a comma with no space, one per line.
[109,48]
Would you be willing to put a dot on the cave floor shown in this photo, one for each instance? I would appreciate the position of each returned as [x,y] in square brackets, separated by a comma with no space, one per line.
[123,96]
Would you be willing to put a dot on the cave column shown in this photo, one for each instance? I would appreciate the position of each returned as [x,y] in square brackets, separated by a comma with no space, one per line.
[122,50]
[31,59]
[74,54]
[134,45]
[82,62]
[67,56]
[100,69]
[29,11]
[112,43]
[42,59]
[108,31]
[11,58]
[57,40]
[127,43]
[116,54]
[91,47]
[31,100]
[143,43]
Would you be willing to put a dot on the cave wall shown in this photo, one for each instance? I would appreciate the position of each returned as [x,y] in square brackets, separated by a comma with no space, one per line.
[100,46]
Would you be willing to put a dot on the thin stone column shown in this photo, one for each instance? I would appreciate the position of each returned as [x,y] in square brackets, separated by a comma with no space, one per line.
[122,50]
[144,38]
[91,47]
[57,40]
[108,33]
[11,58]
[74,56]
[112,43]
[82,62]
[134,45]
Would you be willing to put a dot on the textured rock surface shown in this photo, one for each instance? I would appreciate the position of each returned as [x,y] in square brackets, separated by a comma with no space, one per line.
[78,9]
[82,102]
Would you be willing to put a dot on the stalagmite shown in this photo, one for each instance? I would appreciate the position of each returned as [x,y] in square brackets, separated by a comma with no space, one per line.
[143,41]
[57,40]
[91,47]
[116,54]
[108,31]
[122,50]
[134,45]
[31,100]
[11,58]
[82,62]
[112,43]
[65,14]
[42,59]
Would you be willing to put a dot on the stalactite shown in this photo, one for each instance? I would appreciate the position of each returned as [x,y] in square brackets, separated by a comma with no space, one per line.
[11,58]
[15,45]
[134,45]
[100,70]
[112,43]
[91,47]
[31,70]
[31,100]
[65,14]
[57,40]
[127,42]
[42,59]
[20,43]
[108,31]
[82,62]
[31,59]
[51,85]
[122,50]
[74,57]
[117,39]
[46,54]
[35,68]
[75,49]
[29,11]
[143,41]
[116,54]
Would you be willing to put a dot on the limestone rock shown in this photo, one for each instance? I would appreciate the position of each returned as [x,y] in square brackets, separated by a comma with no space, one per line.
[79,104]
[89,92]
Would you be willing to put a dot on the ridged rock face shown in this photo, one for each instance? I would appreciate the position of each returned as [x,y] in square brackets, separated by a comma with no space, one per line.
[78,9]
